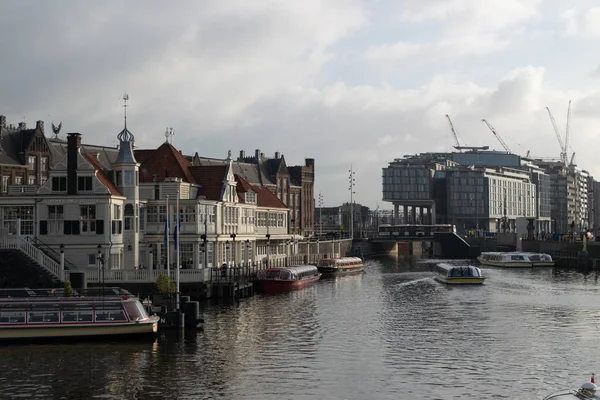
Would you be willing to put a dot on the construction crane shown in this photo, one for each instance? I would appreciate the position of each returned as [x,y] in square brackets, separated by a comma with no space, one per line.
[497,136]
[563,149]
[458,146]
[567,126]
[572,162]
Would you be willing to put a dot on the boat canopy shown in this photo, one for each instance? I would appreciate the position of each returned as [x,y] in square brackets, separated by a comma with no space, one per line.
[459,270]
[287,273]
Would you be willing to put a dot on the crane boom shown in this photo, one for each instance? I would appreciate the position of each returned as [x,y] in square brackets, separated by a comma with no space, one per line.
[567,128]
[497,136]
[453,131]
[563,150]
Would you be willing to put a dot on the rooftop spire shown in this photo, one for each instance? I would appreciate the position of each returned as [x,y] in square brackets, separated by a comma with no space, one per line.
[126,139]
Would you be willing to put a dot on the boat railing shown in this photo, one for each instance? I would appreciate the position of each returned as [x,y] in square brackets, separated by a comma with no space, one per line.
[19,243]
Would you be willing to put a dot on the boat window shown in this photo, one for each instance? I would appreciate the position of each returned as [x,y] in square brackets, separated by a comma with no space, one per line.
[517,258]
[135,310]
[285,274]
[42,316]
[77,316]
[110,315]
[12,317]
[326,263]
[273,274]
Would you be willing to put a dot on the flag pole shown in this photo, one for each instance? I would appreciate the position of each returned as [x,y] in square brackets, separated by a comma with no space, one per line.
[177,246]
[167,229]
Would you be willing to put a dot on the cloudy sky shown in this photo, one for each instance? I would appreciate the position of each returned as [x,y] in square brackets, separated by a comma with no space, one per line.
[346,82]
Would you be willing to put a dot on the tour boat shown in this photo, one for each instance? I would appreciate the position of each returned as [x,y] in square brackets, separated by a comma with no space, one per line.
[458,274]
[515,259]
[586,391]
[340,266]
[288,278]
[45,314]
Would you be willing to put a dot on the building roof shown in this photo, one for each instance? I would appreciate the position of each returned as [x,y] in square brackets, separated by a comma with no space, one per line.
[265,198]
[101,175]
[210,178]
[164,162]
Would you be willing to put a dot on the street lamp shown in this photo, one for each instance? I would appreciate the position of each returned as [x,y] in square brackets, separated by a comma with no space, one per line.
[233,253]
[247,251]
[227,253]
[268,247]
[100,259]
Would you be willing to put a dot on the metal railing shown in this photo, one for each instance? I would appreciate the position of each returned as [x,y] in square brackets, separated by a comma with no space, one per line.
[35,254]
[50,252]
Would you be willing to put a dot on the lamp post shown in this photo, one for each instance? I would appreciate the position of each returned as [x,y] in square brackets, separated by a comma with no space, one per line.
[62,262]
[100,266]
[233,250]
[247,251]
[151,261]
[227,253]
[351,188]
[268,247]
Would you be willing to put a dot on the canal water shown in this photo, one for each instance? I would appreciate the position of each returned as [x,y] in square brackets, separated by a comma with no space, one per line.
[391,333]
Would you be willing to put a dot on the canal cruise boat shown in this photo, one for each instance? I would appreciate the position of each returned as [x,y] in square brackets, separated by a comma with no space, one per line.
[587,391]
[515,259]
[47,314]
[458,274]
[288,278]
[340,266]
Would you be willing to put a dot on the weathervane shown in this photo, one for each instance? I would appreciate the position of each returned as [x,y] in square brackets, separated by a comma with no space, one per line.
[125,98]
[56,129]
[169,133]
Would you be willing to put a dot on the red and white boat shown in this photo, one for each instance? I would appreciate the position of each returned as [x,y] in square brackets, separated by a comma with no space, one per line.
[288,278]
[48,314]
[340,266]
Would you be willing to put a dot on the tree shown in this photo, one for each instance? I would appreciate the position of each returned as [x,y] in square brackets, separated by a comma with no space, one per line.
[164,284]
[68,290]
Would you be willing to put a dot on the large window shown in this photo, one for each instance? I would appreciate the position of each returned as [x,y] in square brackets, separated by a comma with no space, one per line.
[31,163]
[186,255]
[156,213]
[44,163]
[87,218]
[11,215]
[55,220]
[59,184]
[129,217]
[128,178]
[18,180]
[31,180]
[189,213]
[5,180]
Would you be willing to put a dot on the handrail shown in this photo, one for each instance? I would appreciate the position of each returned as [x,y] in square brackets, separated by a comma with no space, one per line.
[50,252]
[34,253]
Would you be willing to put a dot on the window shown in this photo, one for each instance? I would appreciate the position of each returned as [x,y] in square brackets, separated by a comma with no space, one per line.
[31,163]
[59,184]
[44,163]
[43,180]
[116,211]
[5,183]
[55,220]
[31,180]
[128,178]
[84,183]
[10,215]
[129,217]
[87,218]
[189,213]
[18,180]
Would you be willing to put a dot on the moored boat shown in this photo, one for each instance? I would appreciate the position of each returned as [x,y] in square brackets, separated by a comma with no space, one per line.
[458,274]
[48,314]
[515,259]
[340,266]
[288,278]
[587,391]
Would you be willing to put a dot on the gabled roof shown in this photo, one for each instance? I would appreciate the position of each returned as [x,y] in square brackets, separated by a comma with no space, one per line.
[13,144]
[101,175]
[210,178]
[265,198]
[164,162]
[242,188]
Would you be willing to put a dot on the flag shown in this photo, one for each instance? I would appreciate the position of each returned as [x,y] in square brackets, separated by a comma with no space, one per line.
[167,226]
[177,229]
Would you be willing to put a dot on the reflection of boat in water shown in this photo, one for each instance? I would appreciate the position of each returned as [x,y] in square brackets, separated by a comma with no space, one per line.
[288,278]
[458,274]
[515,259]
[586,391]
[48,313]
[340,266]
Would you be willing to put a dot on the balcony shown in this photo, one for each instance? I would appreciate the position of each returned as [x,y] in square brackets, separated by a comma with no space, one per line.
[22,190]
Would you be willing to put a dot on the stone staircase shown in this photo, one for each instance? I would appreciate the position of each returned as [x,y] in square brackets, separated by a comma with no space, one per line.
[18,270]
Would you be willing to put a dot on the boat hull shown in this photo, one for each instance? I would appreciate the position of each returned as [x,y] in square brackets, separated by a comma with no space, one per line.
[332,271]
[55,331]
[461,280]
[276,285]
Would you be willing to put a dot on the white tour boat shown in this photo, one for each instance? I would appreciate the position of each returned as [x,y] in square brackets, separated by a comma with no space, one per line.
[587,391]
[458,274]
[45,314]
[515,259]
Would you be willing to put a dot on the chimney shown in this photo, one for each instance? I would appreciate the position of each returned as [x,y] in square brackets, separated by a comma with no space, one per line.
[39,125]
[22,126]
[257,154]
[242,155]
[73,146]
[2,122]
[277,154]
[309,162]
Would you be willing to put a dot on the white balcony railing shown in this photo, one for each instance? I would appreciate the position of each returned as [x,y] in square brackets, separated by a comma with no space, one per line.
[37,255]
[22,190]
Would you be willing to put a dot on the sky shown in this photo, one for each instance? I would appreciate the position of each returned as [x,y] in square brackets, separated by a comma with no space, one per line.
[350,83]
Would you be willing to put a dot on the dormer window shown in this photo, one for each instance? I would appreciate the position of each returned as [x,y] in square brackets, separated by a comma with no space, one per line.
[59,184]
[250,198]
[84,183]
[31,163]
